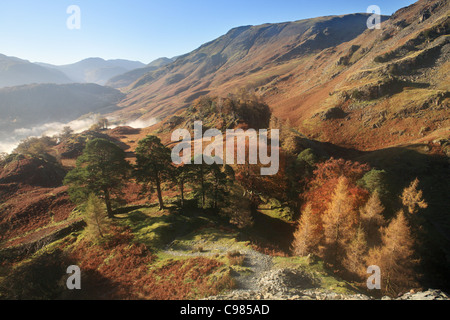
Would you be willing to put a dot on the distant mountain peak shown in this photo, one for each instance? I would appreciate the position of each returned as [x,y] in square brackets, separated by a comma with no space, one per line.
[15,71]
[97,70]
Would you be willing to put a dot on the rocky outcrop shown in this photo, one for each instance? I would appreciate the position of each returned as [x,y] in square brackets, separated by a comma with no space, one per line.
[382,88]
[424,295]
[287,284]
[331,114]
[296,284]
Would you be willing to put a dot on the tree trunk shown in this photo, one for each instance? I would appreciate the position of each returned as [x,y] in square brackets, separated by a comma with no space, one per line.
[158,189]
[99,228]
[202,186]
[216,193]
[108,204]
[182,193]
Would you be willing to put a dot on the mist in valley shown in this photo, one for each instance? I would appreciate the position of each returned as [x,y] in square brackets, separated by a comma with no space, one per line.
[10,140]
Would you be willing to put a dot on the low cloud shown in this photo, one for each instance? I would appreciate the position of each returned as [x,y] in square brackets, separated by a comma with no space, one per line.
[137,124]
[9,141]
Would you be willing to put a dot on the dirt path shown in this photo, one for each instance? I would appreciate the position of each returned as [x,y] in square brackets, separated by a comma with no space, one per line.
[259,264]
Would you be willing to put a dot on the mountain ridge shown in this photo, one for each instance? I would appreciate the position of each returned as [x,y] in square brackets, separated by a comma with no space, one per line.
[96,70]
[15,71]
[201,66]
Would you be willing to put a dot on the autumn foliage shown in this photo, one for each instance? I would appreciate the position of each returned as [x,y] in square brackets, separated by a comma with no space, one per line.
[396,256]
[339,222]
[325,179]
[346,226]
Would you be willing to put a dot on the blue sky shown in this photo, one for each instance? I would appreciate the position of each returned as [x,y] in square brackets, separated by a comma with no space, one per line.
[146,29]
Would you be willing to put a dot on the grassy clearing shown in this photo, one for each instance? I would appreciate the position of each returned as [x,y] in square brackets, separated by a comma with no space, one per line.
[210,238]
[199,268]
[283,213]
[157,229]
[212,242]
[277,210]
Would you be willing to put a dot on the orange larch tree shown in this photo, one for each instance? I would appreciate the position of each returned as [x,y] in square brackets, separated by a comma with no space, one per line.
[339,223]
[307,235]
[396,257]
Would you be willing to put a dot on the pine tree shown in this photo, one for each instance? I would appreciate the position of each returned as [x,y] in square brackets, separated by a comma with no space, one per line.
[239,208]
[412,198]
[339,222]
[307,236]
[153,164]
[200,182]
[372,219]
[66,133]
[395,256]
[180,176]
[102,169]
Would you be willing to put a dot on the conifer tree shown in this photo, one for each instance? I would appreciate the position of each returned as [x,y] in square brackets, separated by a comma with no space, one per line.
[180,176]
[307,236]
[372,219]
[200,181]
[339,223]
[239,208]
[153,164]
[395,256]
[354,261]
[102,169]
[96,217]
[412,198]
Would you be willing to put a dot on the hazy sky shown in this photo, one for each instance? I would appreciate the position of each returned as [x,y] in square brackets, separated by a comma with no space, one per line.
[144,30]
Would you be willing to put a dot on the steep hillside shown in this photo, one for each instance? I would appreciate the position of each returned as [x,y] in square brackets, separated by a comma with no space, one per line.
[386,87]
[331,77]
[252,55]
[14,72]
[96,70]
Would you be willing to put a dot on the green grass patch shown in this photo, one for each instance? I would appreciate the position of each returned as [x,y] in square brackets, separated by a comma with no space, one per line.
[159,231]
[275,209]
[211,239]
